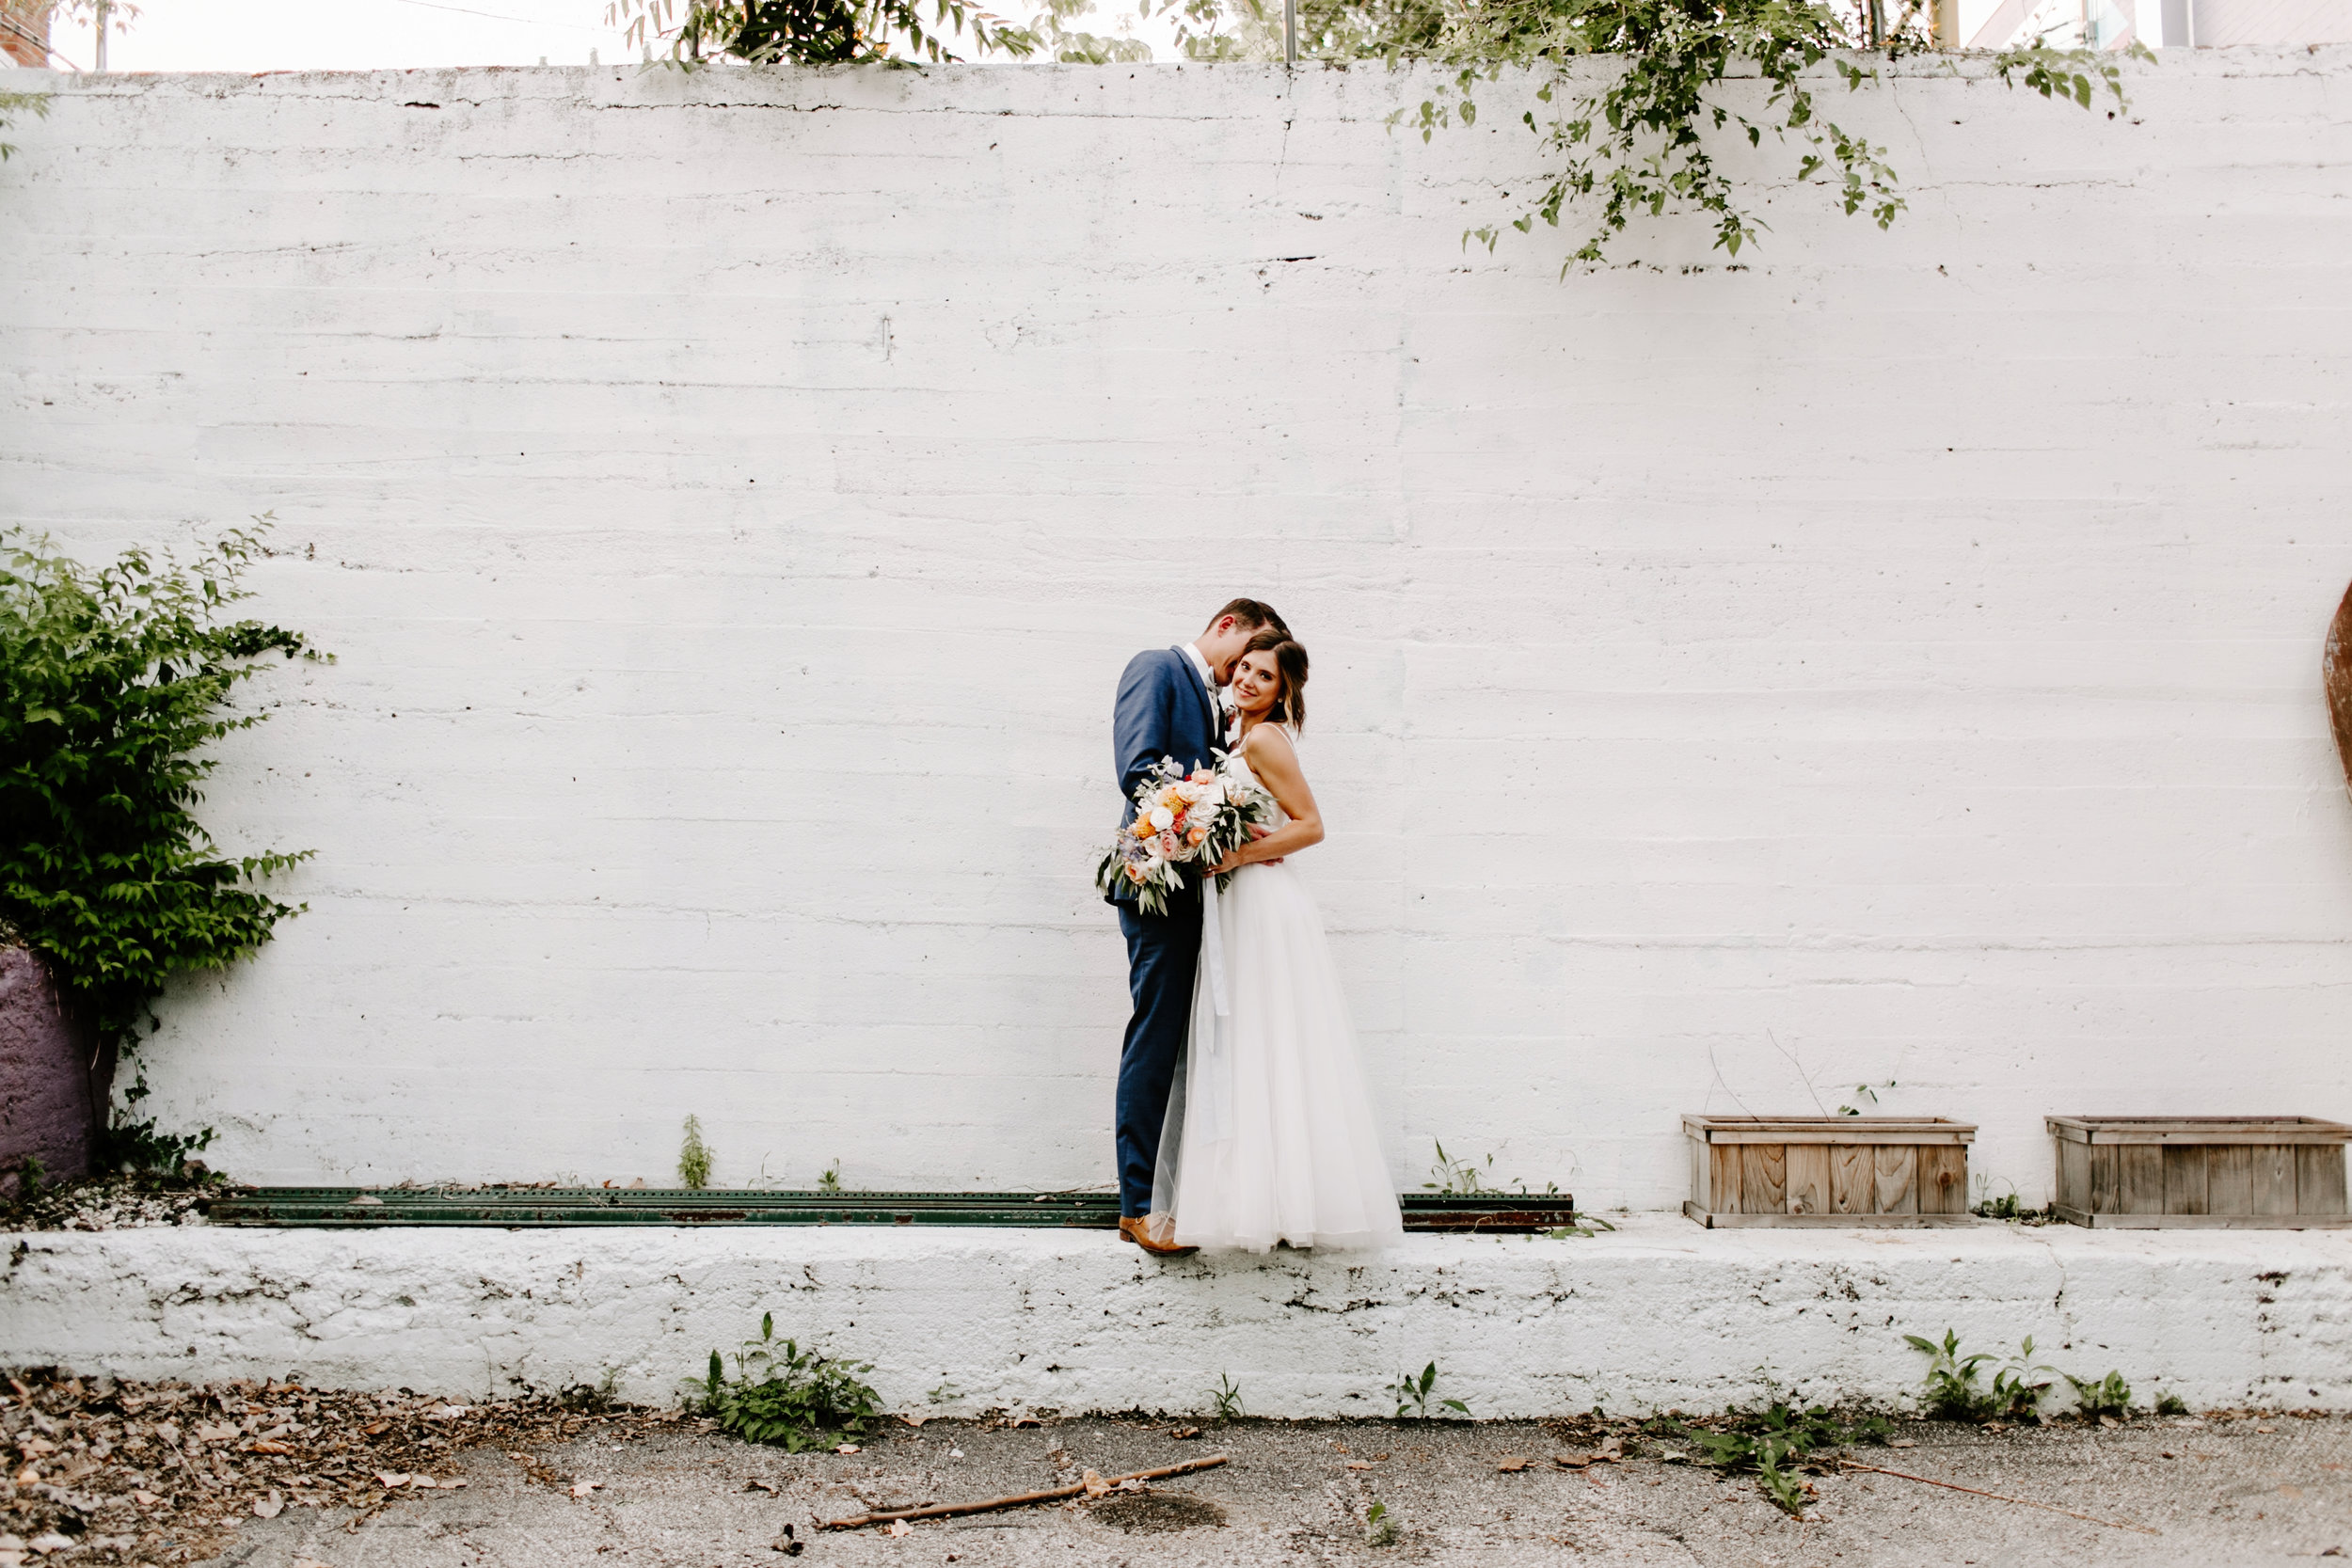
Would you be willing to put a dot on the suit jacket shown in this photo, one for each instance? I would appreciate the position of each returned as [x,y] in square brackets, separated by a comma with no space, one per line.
[1164,710]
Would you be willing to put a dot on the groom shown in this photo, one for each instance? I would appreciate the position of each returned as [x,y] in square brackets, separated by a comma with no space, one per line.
[1166,708]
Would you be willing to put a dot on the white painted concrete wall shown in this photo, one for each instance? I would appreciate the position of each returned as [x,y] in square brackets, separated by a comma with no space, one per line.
[1661,1315]
[731,499]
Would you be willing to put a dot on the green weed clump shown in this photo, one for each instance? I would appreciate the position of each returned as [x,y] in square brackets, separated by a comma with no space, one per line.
[693,1157]
[1776,1445]
[792,1399]
[1415,1393]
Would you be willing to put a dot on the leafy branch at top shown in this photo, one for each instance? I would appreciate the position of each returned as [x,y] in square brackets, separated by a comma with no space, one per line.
[814,32]
[14,104]
[1645,142]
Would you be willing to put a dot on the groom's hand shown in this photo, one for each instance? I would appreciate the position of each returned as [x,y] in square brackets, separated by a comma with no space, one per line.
[1258,829]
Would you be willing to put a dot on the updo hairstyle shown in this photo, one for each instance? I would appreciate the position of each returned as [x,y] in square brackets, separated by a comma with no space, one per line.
[1289,662]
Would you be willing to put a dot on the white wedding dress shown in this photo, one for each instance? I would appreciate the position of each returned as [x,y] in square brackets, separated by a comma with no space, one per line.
[1269,1135]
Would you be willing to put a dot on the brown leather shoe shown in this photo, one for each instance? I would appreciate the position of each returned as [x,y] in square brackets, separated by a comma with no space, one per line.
[1137,1228]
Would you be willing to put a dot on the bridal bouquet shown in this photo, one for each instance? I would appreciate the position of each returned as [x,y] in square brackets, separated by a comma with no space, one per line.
[1182,819]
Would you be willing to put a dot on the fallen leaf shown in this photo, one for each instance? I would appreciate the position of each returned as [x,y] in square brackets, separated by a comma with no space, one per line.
[522,1458]
[849,1448]
[214,1433]
[1903,1443]
[1131,1484]
[1513,1464]
[1360,1463]
[1571,1461]
[899,1527]
[368,1200]
[915,1420]
[1094,1483]
[269,1507]
[33,1448]
[1184,1433]
[144,1500]
[2109,1420]
[51,1542]
[755,1485]
[1611,1449]
[377,1430]
[1673,1456]
[29,1477]
[392,1477]
[1027,1421]
[581,1488]
[264,1446]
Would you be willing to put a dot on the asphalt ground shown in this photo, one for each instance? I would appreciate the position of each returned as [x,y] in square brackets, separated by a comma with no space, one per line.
[2219,1489]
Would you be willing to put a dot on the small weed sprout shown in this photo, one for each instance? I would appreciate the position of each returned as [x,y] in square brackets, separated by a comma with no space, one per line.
[782,1395]
[1413,1394]
[1458,1178]
[2107,1396]
[1586,1225]
[1862,1092]
[1226,1397]
[1379,1525]
[830,1180]
[944,1393]
[2172,1404]
[693,1157]
[1956,1390]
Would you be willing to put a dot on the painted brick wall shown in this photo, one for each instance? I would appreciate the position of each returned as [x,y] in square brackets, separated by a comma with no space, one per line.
[732,501]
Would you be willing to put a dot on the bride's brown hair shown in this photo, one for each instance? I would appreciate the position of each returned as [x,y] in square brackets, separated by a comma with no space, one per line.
[1290,662]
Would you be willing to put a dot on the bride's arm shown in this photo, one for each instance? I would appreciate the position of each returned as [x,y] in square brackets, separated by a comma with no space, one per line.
[1275,760]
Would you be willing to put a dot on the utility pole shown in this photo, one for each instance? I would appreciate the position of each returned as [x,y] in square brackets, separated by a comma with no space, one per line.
[103,6]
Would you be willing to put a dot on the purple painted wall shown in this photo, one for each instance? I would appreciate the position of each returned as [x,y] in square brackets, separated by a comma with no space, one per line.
[44,1075]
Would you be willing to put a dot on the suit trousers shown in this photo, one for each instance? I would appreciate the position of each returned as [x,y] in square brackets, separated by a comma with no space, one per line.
[1163,953]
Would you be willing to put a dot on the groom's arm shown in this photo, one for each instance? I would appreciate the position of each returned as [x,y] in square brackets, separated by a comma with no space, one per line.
[1143,723]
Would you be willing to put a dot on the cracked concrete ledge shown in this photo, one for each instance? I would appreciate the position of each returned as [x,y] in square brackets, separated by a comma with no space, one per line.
[1660,1314]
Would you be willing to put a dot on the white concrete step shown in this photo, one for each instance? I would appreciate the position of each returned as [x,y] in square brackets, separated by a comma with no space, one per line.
[1662,1314]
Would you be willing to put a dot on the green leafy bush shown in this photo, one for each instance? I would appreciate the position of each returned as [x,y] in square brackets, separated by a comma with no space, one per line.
[1956,1390]
[113,681]
[795,1399]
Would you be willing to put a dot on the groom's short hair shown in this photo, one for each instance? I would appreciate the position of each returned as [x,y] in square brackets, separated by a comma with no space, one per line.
[1251,613]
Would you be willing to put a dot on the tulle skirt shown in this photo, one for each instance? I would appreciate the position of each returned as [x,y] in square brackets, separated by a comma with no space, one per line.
[1270,1135]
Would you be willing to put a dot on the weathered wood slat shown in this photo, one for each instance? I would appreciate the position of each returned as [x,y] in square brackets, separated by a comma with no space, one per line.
[1895,1179]
[1849,1180]
[2319,1181]
[2074,1175]
[2229,1181]
[2140,1179]
[2106,1179]
[1808,1179]
[1943,1179]
[2274,1179]
[2198,1129]
[1723,1163]
[2185,1172]
[1763,1178]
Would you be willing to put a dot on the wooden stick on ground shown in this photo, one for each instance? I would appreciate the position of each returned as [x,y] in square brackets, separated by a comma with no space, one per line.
[1019,1500]
[2021,1502]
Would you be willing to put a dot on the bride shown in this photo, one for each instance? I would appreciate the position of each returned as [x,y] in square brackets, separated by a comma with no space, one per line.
[1269,1135]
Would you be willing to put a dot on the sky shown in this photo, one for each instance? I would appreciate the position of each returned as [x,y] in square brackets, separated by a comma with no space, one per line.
[350,35]
[364,35]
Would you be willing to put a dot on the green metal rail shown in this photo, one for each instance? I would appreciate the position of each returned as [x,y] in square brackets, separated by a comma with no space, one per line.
[519,1207]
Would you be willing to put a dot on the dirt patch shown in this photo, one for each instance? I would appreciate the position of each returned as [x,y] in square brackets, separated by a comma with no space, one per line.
[1158,1513]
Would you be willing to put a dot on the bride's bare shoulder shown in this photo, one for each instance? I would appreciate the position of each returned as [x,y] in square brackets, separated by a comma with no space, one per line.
[1268,741]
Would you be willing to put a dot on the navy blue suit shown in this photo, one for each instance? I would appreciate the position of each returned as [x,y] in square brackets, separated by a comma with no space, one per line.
[1164,710]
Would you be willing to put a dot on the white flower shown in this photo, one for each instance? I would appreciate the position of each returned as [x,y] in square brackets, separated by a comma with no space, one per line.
[1161,818]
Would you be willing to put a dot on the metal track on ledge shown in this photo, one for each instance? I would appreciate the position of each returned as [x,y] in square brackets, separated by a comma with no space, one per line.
[518,1206]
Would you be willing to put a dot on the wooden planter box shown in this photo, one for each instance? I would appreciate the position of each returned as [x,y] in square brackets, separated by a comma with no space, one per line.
[1830,1171]
[2235,1173]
